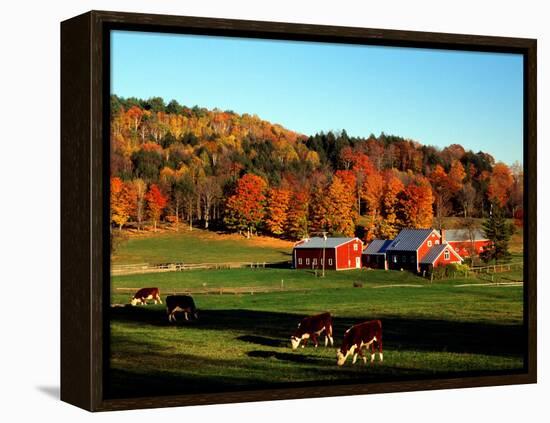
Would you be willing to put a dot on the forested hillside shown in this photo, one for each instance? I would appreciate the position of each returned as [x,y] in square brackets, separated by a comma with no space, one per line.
[204,167]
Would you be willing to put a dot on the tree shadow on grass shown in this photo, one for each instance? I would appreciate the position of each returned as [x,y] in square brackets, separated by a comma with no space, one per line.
[272,329]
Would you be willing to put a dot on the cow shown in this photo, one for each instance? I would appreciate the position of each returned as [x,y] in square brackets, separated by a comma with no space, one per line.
[312,327]
[184,303]
[363,335]
[145,294]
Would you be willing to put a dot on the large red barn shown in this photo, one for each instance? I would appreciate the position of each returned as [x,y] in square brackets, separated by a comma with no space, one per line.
[465,242]
[335,253]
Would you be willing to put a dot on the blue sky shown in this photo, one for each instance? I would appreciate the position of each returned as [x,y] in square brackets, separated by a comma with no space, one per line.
[436,97]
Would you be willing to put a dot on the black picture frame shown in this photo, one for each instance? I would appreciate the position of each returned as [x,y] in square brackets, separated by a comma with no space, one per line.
[85,247]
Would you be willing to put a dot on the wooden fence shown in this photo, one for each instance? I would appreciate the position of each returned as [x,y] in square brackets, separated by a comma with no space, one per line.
[132,269]
[498,268]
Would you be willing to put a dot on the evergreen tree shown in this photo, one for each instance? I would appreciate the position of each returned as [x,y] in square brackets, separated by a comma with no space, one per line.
[499,232]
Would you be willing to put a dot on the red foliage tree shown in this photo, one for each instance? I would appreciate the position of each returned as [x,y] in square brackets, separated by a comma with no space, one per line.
[156,203]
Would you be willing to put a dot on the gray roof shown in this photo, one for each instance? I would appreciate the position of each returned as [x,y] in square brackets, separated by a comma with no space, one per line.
[463,235]
[435,251]
[378,246]
[319,242]
[409,239]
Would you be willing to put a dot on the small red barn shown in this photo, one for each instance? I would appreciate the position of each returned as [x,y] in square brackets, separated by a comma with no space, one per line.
[439,255]
[334,253]
[465,242]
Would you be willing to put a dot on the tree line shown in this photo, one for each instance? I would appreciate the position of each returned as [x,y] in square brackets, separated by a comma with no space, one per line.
[205,167]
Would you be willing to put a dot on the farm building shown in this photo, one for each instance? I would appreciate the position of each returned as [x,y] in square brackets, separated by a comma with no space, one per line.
[374,256]
[335,253]
[412,249]
[465,242]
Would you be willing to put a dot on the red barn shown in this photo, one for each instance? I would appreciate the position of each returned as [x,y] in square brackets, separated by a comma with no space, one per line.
[412,249]
[466,243]
[335,253]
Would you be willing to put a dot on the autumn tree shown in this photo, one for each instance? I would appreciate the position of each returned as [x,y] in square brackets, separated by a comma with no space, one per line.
[416,202]
[297,225]
[123,201]
[156,203]
[245,209]
[389,224]
[500,184]
[278,200]
[140,188]
[340,204]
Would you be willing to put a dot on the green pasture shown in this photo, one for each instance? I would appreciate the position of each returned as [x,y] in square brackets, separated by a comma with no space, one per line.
[200,246]
[242,341]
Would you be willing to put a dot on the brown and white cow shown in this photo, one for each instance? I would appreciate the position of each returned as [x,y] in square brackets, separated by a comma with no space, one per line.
[145,294]
[312,327]
[183,303]
[362,335]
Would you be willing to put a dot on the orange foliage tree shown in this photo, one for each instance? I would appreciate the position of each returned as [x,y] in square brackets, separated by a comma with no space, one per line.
[156,202]
[500,184]
[278,201]
[416,202]
[340,204]
[245,209]
[297,225]
[123,201]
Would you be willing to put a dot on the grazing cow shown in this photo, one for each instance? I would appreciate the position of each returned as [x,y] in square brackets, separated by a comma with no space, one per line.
[362,335]
[312,327]
[145,294]
[184,303]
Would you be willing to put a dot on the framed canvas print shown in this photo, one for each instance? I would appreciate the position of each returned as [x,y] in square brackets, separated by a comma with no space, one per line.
[258,211]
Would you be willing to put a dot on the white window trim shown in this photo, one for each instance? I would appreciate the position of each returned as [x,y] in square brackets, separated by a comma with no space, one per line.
[447,254]
[355,247]
[429,243]
[307,260]
[330,262]
[300,260]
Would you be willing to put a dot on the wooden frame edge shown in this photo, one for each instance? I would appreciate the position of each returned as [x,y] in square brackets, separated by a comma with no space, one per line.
[82,199]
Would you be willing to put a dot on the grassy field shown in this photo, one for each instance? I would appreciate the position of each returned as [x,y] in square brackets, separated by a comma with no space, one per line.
[200,246]
[242,341]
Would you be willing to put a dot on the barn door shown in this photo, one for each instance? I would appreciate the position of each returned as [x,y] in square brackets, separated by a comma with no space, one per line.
[358,262]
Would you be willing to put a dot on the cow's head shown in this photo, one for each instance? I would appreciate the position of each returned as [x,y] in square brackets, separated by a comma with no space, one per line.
[295,342]
[134,301]
[342,355]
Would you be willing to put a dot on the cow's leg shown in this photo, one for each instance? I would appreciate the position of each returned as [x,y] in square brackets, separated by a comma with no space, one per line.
[380,352]
[173,314]
[354,358]
[314,339]
[360,352]
[329,335]
[304,343]
[186,316]
[372,351]
[158,298]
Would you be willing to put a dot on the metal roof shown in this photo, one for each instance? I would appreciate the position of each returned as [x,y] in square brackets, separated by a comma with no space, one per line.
[409,239]
[464,235]
[378,246]
[319,242]
[434,252]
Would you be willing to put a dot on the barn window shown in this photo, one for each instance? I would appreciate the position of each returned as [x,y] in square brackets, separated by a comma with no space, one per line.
[447,255]
[355,247]
[394,259]
[429,243]
[404,259]
[412,259]
[300,260]
[322,261]
[307,261]
[315,261]
[330,262]
[436,242]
